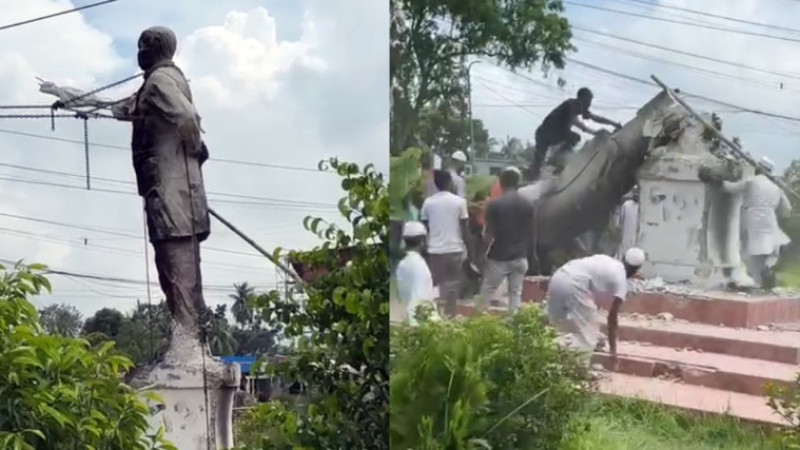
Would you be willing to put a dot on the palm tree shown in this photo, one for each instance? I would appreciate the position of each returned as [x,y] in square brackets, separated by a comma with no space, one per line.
[220,336]
[241,310]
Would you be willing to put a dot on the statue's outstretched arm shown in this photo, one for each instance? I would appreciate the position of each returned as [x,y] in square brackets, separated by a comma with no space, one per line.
[123,109]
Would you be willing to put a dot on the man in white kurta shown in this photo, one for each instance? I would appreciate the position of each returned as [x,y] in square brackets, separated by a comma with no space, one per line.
[414,280]
[763,201]
[628,223]
[574,290]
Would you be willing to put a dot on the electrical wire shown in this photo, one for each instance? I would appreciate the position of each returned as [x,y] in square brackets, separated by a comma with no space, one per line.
[682,22]
[708,99]
[711,15]
[267,200]
[60,13]
[685,53]
[127,149]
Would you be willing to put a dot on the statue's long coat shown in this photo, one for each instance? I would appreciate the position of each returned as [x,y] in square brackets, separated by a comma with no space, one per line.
[167,155]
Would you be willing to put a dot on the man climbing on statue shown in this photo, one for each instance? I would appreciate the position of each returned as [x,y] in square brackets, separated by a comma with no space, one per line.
[556,129]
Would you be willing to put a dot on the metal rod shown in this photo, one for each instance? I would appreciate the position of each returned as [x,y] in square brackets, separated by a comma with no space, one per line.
[86,151]
[732,145]
[253,244]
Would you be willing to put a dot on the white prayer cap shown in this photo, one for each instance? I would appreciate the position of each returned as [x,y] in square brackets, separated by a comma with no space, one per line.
[634,257]
[459,156]
[414,229]
[513,169]
[767,164]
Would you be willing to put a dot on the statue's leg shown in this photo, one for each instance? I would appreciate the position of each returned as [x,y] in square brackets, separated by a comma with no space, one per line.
[177,262]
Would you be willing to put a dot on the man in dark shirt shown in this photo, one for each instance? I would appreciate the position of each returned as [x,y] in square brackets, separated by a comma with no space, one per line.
[509,224]
[556,129]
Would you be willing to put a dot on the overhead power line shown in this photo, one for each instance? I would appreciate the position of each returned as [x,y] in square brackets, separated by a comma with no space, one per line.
[711,15]
[712,100]
[269,201]
[119,147]
[683,22]
[685,53]
[115,233]
[753,81]
[60,13]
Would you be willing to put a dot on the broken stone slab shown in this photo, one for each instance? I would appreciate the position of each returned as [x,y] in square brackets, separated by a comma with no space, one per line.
[197,393]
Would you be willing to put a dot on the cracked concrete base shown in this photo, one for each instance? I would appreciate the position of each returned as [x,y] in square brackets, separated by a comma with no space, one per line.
[185,388]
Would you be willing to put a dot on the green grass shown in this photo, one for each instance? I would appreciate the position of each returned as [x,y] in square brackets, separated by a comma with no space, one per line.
[625,424]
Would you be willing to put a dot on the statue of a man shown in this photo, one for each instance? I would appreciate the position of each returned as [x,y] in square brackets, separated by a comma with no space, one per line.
[168,153]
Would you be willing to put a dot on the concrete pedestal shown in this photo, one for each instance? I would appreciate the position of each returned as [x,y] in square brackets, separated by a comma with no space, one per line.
[689,230]
[197,392]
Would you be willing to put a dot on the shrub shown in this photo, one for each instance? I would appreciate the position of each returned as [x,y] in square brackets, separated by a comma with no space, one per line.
[58,392]
[341,327]
[483,382]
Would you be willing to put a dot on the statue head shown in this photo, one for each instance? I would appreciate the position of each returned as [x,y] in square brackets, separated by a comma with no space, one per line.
[156,44]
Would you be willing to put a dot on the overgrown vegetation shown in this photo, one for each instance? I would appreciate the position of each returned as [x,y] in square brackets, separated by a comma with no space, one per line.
[484,382]
[629,424]
[59,392]
[341,324]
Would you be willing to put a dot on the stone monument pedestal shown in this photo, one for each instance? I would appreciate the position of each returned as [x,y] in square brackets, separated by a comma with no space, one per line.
[196,391]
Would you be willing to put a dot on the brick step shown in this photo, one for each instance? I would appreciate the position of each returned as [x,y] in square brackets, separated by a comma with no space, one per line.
[769,345]
[713,308]
[717,371]
[750,408]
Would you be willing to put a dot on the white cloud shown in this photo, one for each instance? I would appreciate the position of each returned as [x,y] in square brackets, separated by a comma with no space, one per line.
[276,83]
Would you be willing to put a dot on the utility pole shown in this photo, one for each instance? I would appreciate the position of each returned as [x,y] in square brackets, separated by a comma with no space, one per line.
[471,151]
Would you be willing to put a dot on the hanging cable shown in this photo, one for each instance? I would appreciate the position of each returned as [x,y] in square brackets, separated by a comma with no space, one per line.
[60,13]
[86,151]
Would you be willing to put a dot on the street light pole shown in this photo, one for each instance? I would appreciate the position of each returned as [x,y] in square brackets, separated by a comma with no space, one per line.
[471,151]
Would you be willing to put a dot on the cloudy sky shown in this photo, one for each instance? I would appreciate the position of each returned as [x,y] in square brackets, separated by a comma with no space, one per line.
[279,86]
[750,75]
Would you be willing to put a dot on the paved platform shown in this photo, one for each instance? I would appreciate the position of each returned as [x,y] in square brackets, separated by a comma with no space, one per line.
[693,398]
[713,308]
[765,344]
[714,370]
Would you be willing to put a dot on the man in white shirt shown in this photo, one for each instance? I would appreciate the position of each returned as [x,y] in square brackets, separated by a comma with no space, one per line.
[445,216]
[457,162]
[574,289]
[414,281]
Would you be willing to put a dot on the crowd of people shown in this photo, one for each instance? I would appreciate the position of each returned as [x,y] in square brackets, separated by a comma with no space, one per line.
[448,242]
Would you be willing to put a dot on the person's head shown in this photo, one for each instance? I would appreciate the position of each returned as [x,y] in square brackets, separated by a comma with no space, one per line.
[442,180]
[510,179]
[459,159]
[585,97]
[635,193]
[633,259]
[765,166]
[156,44]
[414,235]
[426,160]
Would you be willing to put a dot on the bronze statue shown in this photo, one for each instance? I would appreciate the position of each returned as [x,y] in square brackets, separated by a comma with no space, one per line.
[168,153]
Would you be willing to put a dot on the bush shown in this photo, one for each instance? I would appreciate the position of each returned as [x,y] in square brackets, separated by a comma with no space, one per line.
[58,392]
[342,331]
[484,382]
